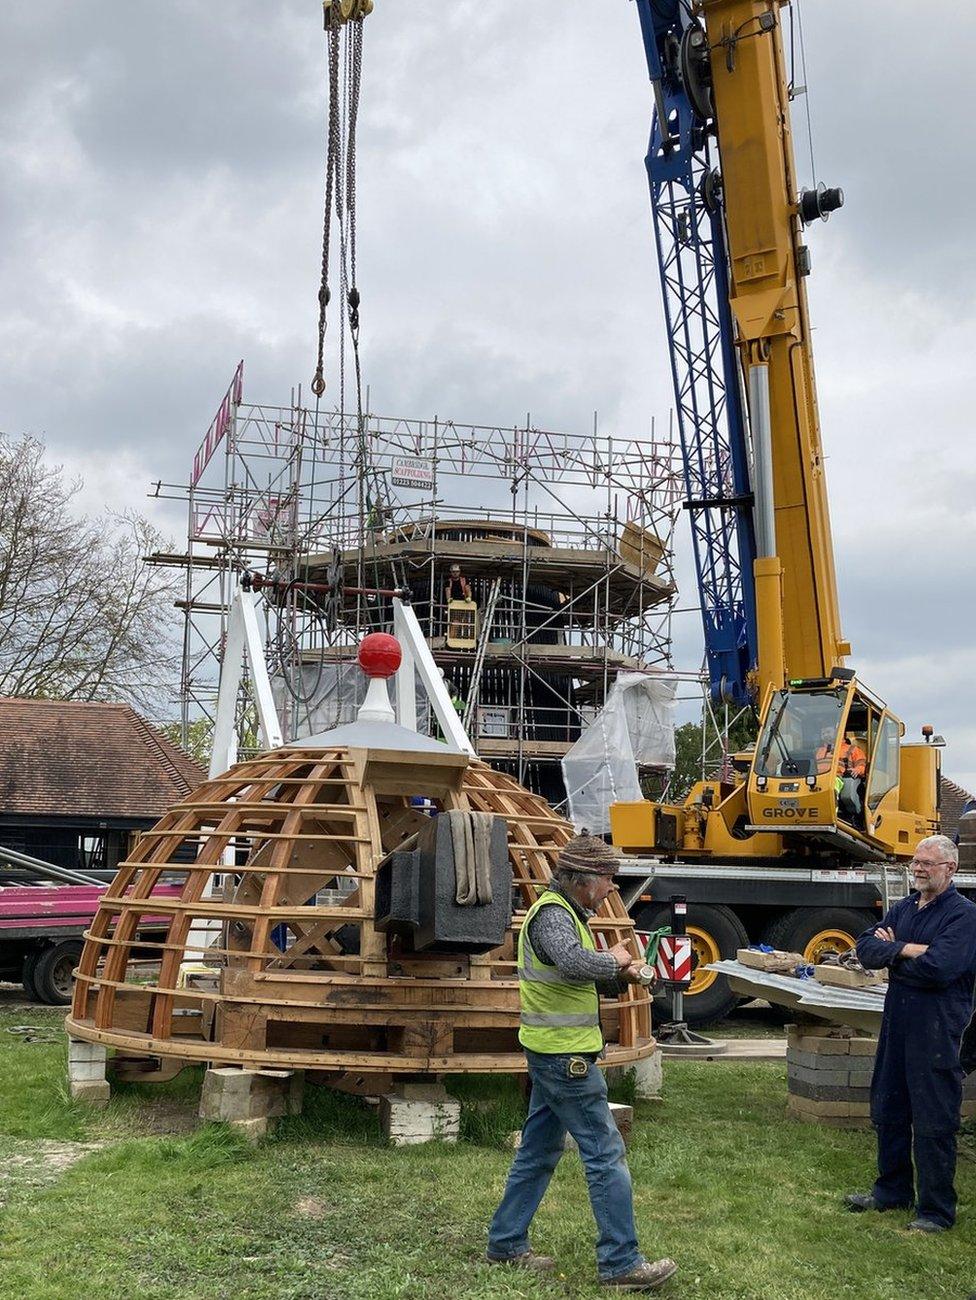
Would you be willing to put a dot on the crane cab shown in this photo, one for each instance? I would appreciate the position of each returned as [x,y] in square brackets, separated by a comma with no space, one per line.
[828,767]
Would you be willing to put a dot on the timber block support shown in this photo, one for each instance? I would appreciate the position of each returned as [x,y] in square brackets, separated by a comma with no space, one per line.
[86,1072]
[419,1112]
[252,1100]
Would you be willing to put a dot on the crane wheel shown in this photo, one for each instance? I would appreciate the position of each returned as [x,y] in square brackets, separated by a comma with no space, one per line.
[716,934]
[817,932]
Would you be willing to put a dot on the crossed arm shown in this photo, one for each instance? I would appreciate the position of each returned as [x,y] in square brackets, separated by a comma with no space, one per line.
[928,965]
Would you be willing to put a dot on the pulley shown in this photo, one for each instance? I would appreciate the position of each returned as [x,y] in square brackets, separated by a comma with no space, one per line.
[696,71]
[346,10]
[818,204]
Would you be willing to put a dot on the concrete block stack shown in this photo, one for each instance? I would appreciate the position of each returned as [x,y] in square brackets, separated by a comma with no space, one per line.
[828,1076]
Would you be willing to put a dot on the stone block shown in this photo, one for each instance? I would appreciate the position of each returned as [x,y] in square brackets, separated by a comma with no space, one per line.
[93,1092]
[864,1046]
[827,1092]
[234,1096]
[649,1076]
[833,1044]
[819,1078]
[81,1050]
[253,1129]
[86,1072]
[407,1122]
[426,1090]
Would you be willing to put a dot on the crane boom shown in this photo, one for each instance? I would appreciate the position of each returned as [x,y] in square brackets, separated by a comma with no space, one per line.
[767,262]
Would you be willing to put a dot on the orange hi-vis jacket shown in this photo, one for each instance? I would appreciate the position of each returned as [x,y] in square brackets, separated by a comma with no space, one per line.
[851,760]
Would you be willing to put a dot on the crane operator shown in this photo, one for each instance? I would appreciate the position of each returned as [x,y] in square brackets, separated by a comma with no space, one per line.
[852,764]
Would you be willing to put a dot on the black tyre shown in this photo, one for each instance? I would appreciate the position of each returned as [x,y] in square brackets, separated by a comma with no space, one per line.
[716,934]
[817,931]
[52,973]
[27,974]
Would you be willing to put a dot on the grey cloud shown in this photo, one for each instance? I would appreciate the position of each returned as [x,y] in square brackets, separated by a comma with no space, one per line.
[161,217]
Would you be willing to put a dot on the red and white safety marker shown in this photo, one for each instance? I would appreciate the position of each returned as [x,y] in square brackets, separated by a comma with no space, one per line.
[674,958]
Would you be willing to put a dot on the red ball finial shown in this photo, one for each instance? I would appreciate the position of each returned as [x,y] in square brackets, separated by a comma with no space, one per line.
[379,654]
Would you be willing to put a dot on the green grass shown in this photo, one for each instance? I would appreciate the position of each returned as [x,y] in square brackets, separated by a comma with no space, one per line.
[746,1200]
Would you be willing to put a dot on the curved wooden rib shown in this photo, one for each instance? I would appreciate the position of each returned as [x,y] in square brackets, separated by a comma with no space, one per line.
[339,994]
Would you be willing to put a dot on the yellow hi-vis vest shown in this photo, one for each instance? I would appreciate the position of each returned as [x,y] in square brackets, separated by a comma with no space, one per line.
[558,1015]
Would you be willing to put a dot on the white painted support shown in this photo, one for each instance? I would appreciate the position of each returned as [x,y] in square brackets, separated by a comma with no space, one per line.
[242,634]
[406,687]
[408,632]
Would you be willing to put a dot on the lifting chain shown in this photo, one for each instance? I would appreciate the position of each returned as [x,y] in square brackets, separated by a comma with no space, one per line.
[340,190]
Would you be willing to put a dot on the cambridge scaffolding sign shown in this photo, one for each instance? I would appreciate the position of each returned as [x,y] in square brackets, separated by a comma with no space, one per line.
[413,472]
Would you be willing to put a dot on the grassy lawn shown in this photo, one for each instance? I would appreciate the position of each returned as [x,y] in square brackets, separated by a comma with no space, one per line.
[137,1201]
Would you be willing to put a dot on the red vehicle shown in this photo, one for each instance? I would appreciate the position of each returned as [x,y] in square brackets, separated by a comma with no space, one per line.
[41,929]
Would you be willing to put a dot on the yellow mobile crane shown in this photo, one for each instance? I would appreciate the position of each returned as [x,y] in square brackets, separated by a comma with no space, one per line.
[829,777]
[796,847]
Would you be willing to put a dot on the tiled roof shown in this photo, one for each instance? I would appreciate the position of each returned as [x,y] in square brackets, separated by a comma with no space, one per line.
[953,799]
[62,758]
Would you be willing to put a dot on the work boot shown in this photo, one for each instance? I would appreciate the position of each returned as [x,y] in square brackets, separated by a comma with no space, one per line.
[926,1225]
[528,1259]
[857,1202]
[643,1277]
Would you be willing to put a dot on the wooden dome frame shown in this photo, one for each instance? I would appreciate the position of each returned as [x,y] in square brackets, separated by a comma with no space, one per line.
[310,819]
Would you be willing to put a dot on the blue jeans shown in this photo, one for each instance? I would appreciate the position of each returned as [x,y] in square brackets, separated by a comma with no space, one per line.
[558,1103]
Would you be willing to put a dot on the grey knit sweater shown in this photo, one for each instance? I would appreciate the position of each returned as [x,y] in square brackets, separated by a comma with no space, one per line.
[555,940]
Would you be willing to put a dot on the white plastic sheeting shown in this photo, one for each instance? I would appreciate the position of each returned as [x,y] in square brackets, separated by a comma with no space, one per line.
[328,695]
[635,728]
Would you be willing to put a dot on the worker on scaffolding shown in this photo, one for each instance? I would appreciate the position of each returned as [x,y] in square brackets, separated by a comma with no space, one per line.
[457,586]
[561,976]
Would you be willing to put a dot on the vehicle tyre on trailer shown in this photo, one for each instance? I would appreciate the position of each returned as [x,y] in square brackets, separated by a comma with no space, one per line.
[817,932]
[716,935]
[27,973]
[52,973]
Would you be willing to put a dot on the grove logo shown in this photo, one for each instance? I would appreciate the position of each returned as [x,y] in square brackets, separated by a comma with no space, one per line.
[792,814]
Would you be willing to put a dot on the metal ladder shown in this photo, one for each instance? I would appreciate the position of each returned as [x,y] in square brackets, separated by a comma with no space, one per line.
[479,655]
[895,884]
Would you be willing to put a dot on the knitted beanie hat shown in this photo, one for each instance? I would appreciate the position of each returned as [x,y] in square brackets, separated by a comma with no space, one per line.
[585,852]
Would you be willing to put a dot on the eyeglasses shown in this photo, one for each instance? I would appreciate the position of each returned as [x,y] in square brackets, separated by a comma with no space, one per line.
[942,862]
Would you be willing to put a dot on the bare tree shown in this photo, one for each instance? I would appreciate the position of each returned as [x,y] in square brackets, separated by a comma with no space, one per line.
[82,617]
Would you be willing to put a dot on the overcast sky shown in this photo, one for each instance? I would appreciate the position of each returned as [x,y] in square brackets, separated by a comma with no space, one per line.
[160,218]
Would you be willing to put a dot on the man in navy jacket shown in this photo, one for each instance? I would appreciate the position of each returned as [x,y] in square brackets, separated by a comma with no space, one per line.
[928,941]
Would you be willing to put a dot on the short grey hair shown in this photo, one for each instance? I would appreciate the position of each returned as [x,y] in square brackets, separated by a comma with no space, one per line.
[945,846]
[567,876]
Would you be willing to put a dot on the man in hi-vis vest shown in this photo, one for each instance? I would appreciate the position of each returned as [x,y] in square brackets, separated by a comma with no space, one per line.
[561,977]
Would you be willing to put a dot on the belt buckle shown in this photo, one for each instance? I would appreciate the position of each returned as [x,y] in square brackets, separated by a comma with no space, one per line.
[577,1067]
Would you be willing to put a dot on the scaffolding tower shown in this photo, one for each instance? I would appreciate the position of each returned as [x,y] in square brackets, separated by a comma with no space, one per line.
[563,541]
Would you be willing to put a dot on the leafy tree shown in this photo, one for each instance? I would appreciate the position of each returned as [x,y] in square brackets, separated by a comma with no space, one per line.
[82,617]
[688,767]
[199,738]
